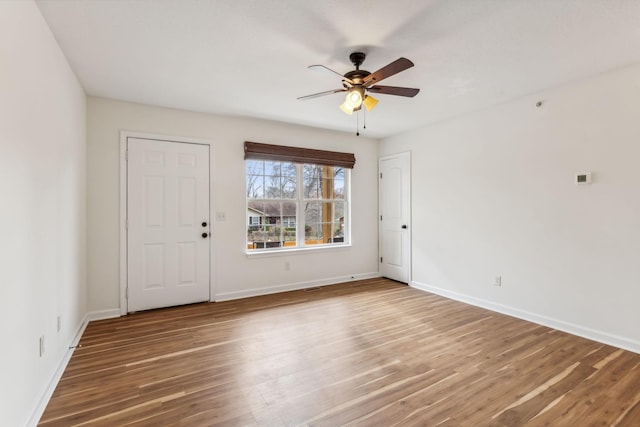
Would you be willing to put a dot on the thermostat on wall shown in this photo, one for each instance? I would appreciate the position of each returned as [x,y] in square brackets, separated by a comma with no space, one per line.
[583,178]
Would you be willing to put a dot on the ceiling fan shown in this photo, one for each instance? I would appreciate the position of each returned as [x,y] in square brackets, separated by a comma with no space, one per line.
[358,83]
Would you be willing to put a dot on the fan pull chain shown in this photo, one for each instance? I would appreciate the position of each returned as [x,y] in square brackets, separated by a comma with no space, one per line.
[357,124]
[364,118]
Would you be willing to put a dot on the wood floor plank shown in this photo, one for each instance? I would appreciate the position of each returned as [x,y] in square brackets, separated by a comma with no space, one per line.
[370,352]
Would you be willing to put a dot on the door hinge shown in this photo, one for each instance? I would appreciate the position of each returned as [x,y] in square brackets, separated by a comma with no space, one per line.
[380,217]
[126,223]
[380,260]
[380,175]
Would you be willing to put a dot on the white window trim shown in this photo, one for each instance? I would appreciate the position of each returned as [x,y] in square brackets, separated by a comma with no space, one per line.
[275,252]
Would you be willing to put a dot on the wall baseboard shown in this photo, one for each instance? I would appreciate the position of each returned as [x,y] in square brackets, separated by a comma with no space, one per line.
[103,314]
[227,296]
[581,331]
[36,414]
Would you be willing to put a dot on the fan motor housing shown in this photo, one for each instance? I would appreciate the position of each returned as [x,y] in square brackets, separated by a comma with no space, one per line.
[356,75]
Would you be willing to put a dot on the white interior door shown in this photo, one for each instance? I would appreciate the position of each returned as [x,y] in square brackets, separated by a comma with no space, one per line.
[395,216]
[168,231]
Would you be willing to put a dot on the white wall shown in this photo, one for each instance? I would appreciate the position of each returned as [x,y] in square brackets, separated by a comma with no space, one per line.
[42,212]
[235,274]
[493,194]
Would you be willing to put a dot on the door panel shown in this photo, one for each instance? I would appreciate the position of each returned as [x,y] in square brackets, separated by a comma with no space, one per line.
[392,249]
[186,206]
[187,263]
[153,265]
[394,202]
[167,202]
[154,201]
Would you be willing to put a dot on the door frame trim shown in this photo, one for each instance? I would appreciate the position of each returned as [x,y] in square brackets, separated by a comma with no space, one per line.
[124,136]
[406,154]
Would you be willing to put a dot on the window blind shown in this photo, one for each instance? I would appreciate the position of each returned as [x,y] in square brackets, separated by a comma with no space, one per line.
[282,153]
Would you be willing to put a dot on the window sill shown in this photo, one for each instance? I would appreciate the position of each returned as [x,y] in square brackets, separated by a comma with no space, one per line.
[263,253]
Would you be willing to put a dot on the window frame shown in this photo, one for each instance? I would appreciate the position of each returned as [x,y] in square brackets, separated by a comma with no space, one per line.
[300,220]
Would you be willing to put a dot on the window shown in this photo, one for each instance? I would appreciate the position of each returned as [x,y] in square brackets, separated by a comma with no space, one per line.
[291,204]
[272,192]
[324,204]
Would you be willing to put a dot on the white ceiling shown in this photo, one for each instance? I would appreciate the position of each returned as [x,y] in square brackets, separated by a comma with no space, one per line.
[250,57]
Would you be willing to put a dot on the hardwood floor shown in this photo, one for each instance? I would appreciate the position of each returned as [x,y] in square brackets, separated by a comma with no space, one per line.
[372,352]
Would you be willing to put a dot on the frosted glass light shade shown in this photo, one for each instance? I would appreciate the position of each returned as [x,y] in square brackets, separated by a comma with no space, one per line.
[369,102]
[346,109]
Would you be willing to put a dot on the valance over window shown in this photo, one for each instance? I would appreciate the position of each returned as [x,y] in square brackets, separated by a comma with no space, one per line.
[282,153]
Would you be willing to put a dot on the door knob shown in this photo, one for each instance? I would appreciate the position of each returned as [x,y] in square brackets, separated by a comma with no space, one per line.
[404,226]
[204,235]
[204,223]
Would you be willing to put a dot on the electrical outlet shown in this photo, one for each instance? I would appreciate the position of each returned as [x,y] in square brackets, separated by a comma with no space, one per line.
[59,323]
[583,178]
[221,216]
[498,281]
[41,344]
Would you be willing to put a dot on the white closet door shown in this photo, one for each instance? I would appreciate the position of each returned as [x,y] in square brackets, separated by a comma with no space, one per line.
[395,217]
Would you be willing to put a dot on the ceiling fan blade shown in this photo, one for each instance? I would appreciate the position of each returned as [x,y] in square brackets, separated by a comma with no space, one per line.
[394,90]
[316,95]
[326,70]
[389,70]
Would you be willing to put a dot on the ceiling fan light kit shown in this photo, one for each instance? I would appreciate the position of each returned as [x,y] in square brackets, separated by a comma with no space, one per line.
[357,83]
